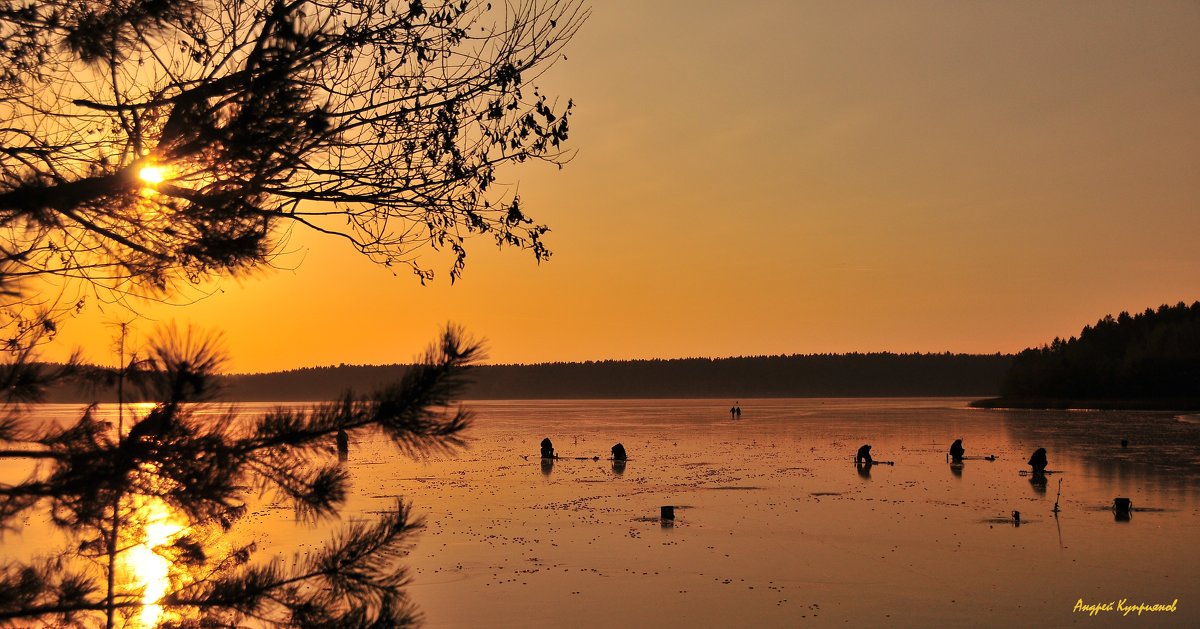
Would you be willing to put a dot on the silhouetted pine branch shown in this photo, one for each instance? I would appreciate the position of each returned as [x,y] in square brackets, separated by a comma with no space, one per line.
[381,124]
[354,581]
[204,470]
[150,145]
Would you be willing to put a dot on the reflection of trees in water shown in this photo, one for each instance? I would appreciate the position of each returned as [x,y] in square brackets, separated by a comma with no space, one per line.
[1163,452]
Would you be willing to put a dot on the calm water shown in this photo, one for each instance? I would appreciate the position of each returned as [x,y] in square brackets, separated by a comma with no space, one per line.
[775,526]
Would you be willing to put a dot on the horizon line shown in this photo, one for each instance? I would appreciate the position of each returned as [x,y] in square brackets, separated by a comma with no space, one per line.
[632,360]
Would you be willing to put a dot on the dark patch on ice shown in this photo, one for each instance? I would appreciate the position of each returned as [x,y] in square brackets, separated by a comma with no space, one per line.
[825,493]
[1135,509]
[1008,520]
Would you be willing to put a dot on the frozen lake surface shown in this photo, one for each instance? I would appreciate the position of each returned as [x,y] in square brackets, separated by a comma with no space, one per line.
[776,527]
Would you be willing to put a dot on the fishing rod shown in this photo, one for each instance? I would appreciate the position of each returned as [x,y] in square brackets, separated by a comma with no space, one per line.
[1058,522]
[990,457]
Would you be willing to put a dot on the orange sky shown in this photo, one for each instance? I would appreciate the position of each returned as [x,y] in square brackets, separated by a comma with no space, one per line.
[798,177]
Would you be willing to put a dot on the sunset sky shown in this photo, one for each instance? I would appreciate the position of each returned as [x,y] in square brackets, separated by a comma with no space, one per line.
[798,177]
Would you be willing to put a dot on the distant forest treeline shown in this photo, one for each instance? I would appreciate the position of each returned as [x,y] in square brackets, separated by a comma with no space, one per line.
[1154,355]
[824,375]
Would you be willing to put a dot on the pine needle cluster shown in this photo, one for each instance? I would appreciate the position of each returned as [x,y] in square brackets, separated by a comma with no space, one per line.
[95,481]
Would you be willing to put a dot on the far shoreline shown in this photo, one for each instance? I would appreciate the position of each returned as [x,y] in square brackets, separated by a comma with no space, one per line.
[1071,404]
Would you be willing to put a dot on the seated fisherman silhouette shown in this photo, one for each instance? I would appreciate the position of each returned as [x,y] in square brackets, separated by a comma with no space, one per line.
[864,456]
[343,444]
[618,452]
[956,450]
[1037,462]
[547,449]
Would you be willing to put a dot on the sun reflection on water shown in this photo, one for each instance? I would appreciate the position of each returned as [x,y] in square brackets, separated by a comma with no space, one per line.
[147,570]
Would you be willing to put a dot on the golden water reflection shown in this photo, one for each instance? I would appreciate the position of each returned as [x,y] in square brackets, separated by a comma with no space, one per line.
[153,526]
